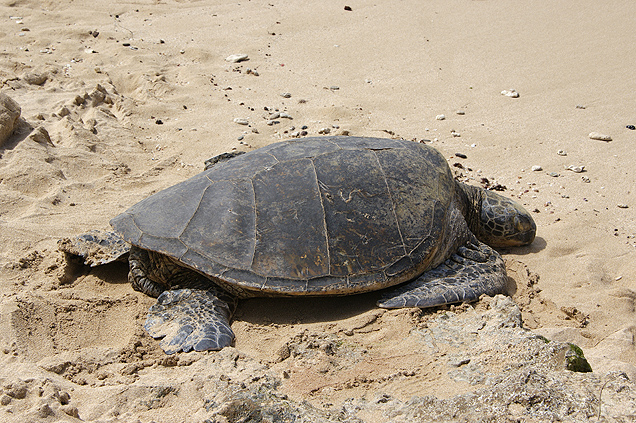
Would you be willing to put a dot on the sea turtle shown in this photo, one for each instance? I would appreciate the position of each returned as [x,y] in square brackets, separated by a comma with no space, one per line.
[317,216]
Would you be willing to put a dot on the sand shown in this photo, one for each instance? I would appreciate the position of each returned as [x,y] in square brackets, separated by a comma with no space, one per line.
[122,99]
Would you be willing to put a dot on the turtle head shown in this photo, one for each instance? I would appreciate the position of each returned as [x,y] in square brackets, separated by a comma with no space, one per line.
[497,220]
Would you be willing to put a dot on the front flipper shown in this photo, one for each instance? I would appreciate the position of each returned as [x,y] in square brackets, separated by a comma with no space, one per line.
[474,270]
[190,319]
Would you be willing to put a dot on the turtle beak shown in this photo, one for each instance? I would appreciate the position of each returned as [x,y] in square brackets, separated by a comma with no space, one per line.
[526,230]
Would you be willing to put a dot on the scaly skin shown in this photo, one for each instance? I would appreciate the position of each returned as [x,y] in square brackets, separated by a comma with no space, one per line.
[191,312]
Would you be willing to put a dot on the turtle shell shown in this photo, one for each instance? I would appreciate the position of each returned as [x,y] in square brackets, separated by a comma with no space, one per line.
[327,215]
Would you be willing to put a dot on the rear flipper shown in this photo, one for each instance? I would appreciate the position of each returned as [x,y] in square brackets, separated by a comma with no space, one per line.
[191,319]
[474,270]
[96,247]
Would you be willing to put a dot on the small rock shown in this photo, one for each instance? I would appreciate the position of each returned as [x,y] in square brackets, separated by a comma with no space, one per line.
[286,95]
[236,58]
[562,153]
[554,174]
[324,131]
[622,206]
[575,169]
[44,411]
[580,106]
[9,114]
[461,155]
[383,399]
[348,8]
[632,127]
[64,398]
[585,179]
[41,136]
[79,100]
[241,121]
[251,71]
[91,125]
[455,134]
[510,93]
[17,390]
[460,112]
[285,116]
[71,410]
[458,362]
[536,168]
[334,88]
[35,78]
[440,117]
[5,399]
[64,111]
[599,136]
[575,360]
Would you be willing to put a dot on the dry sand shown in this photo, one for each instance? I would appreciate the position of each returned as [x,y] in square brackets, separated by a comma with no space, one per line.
[136,95]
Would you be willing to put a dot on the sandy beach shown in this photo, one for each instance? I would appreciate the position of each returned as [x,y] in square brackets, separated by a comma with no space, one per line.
[119,100]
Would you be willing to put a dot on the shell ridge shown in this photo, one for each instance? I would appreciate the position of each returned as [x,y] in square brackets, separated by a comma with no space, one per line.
[430,225]
[189,220]
[275,158]
[324,217]
[132,219]
[185,227]
[428,234]
[388,190]
[255,226]
[334,143]
[185,252]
